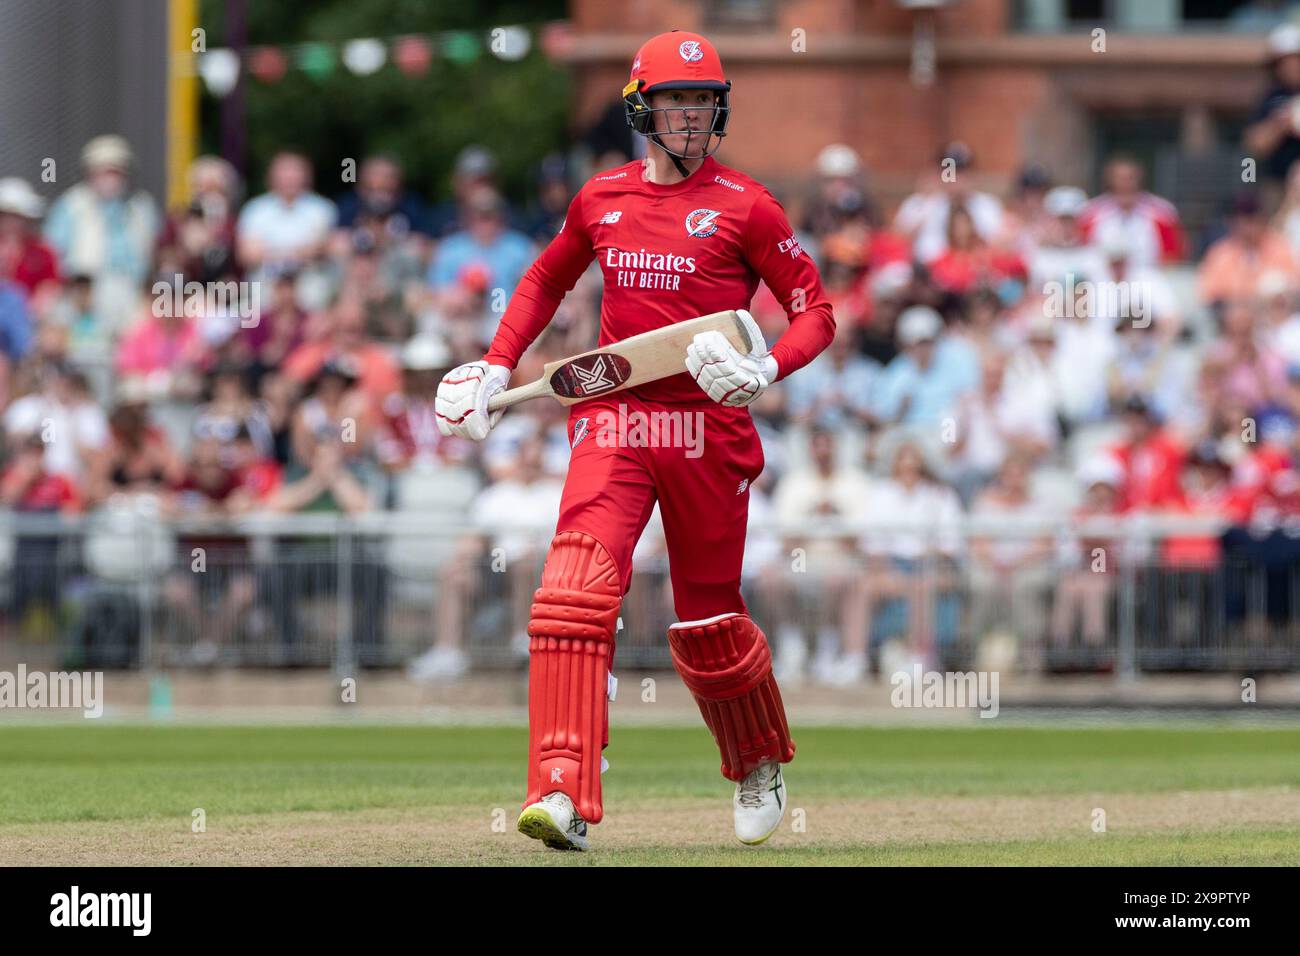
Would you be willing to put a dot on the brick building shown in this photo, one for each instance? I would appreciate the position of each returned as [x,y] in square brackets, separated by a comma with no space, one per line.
[1027,81]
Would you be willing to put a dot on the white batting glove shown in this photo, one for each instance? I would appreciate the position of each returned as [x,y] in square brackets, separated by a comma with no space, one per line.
[728,376]
[461,405]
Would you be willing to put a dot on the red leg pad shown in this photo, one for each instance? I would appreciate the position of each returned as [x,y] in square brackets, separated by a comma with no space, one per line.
[572,626]
[727,665]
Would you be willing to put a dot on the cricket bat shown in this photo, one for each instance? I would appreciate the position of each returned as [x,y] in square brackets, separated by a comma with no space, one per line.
[634,361]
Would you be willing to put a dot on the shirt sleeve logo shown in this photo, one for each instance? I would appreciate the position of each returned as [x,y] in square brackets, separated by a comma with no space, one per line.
[701,223]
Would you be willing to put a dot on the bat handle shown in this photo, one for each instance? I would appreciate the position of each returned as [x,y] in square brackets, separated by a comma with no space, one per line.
[513,396]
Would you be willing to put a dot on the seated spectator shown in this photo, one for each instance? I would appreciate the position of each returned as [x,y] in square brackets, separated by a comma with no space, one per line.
[1150,459]
[486,241]
[839,387]
[289,225]
[165,352]
[25,259]
[926,379]
[198,240]
[60,412]
[1233,266]
[1206,492]
[231,410]
[408,432]
[16,329]
[1146,223]
[27,486]
[1144,364]
[910,579]
[344,338]
[139,458]
[1010,574]
[840,185]
[994,422]
[514,520]
[829,491]
[1254,375]
[546,218]
[1064,250]
[332,412]
[103,229]
[1026,221]
[382,197]
[969,262]
[923,217]
[1081,356]
[1271,132]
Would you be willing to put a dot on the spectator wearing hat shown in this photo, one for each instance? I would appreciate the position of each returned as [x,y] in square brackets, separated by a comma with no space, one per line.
[1273,129]
[289,225]
[1146,223]
[840,189]
[925,379]
[25,258]
[101,228]
[1063,249]
[487,240]
[923,216]
[408,430]
[198,240]
[1233,266]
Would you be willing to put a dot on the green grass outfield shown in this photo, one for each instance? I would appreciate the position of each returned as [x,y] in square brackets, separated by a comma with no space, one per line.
[1007,795]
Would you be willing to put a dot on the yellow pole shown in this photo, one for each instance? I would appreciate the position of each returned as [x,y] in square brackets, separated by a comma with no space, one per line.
[182,98]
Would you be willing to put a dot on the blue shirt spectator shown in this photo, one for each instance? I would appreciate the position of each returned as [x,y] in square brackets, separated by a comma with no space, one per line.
[487,242]
[15,324]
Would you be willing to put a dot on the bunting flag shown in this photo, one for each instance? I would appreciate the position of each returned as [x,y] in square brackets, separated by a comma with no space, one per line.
[410,54]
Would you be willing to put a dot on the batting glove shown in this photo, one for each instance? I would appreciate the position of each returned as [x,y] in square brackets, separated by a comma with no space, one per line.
[728,376]
[461,405]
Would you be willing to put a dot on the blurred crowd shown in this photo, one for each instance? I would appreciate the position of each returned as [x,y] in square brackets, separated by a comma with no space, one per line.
[1043,352]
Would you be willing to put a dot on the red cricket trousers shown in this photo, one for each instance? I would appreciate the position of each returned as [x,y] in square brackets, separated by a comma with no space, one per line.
[696,460]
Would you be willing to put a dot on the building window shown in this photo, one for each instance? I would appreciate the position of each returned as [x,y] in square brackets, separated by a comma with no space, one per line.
[740,14]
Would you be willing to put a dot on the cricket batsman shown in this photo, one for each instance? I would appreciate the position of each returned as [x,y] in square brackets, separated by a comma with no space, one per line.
[677,235]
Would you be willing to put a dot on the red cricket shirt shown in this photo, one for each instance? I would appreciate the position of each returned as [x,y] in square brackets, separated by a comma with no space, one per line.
[670,253]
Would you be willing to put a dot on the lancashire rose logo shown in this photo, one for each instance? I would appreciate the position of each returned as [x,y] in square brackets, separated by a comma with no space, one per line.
[690,51]
[702,222]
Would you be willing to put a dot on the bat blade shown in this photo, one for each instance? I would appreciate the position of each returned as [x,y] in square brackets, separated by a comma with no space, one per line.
[634,361]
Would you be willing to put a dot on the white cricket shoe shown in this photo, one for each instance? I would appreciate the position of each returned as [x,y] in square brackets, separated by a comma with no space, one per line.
[438,664]
[556,822]
[759,804]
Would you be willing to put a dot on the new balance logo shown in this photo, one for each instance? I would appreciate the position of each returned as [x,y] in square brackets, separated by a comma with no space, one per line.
[740,488]
[611,217]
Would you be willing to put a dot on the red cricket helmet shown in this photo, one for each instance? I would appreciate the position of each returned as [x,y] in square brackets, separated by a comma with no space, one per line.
[676,61]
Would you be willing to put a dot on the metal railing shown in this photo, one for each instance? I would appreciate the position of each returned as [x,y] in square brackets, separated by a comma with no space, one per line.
[124,588]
